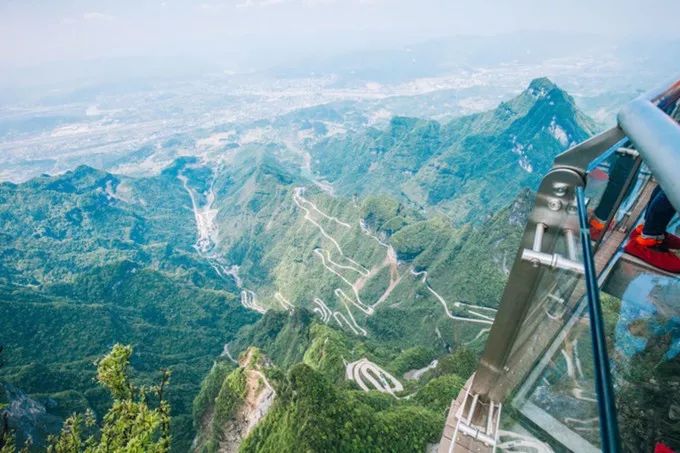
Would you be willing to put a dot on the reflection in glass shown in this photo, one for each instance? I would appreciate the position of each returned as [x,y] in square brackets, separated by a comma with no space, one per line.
[645,349]
[612,185]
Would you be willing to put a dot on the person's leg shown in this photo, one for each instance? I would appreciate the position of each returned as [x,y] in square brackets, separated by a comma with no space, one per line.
[620,170]
[659,213]
[619,173]
[655,192]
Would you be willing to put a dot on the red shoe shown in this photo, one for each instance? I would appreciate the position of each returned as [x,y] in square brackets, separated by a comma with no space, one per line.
[671,241]
[596,228]
[662,448]
[637,231]
[651,251]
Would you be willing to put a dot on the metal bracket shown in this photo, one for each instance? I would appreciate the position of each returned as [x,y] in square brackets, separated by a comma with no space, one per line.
[478,421]
[555,260]
[627,152]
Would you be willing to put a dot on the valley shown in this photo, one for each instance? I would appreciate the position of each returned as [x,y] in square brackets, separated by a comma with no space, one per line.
[346,299]
[330,255]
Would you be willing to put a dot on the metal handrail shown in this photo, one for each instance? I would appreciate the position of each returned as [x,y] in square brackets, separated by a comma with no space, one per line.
[657,137]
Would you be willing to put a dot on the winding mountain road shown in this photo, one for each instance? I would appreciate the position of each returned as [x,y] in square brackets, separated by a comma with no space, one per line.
[300,202]
[340,319]
[478,314]
[367,374]
[336,268]
[284,302]
[481,319]
[249,301]
[323,310]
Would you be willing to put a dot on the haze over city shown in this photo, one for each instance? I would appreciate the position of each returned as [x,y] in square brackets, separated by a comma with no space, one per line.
[244,33]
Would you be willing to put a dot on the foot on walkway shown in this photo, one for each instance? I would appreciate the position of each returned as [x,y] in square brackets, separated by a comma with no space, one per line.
[670,241]
[652,251]
[596,228]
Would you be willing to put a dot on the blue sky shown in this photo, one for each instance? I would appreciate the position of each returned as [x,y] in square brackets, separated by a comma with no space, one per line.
[34,32]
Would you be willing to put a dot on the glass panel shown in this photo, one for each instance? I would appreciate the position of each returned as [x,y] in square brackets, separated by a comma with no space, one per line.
[556,407]
[644,320]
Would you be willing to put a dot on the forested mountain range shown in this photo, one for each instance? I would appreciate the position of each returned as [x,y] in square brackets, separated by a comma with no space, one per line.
[391,253]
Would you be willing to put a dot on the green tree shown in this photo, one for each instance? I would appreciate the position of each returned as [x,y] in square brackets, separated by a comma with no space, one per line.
[462,363]
[131,424]
[438,393]
[6,437]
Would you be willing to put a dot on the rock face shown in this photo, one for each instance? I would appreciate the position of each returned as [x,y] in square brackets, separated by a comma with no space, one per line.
[234,405]
[28,417]
[258,398]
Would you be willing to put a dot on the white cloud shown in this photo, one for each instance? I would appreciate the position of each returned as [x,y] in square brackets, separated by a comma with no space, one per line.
[265,3]
[97,16]
[318,2]
[212,6]
[218,6]
[259,3]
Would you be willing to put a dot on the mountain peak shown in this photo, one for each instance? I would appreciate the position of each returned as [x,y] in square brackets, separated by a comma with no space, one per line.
[541,85]
[85,171]
[542,91]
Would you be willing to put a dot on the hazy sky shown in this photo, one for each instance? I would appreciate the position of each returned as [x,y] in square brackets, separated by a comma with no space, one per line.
[33,32]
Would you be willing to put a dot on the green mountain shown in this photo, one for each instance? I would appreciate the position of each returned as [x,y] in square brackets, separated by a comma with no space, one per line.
[304,383]
[117,259]
[90,259]
[457,167]
[398,263]
[359,264]
[458,267]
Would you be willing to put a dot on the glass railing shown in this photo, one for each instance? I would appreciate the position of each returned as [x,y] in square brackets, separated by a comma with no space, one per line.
[584,339]
[642,309]
[561,348]
[556,407]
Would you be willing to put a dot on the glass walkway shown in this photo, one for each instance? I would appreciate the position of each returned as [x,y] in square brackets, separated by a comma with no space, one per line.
[584,353]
